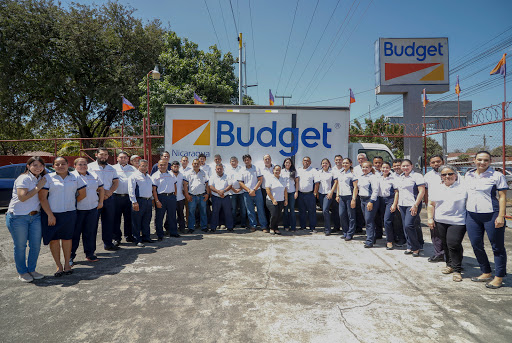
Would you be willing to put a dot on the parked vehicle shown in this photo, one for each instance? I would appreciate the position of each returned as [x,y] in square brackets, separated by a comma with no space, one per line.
[280,131]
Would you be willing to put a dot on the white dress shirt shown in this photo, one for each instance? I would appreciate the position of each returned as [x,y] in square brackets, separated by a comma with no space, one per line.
[482,190]
[249,176]
[164,182]
[267,173]
[123,173]
[219,183]
[62,192]
[325,179]
[368,186]
[197,182]
[21,208]
[346,183]
[179,186]
[184,171]
[288,180]
[91,199]
[140,185]
[306,179]
[207,169]
[387,185]
[358,171]
[106,174]
[233,175]
[408,188]
[450,204]
[277,187]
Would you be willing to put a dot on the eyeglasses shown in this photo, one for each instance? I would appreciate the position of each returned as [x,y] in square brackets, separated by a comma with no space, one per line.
[448,174]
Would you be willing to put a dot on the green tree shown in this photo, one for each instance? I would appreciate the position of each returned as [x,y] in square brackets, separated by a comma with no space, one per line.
[498,151]
[382,132]
[69,67]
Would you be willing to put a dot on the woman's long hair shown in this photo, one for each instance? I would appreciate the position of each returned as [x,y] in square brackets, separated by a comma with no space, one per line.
[33,159]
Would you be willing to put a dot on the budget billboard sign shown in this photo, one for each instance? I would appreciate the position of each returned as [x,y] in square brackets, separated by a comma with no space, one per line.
[411,62]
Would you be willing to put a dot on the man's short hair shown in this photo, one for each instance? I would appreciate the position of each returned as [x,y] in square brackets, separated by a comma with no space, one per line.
[123,153]
[397,160]
[378,157]
[246,156]
[217,156]
[233,158]
[164,152]
[175,163]
[101,149]
[144,161]
[201,155]
[335,156]
[436,155]
[362,154]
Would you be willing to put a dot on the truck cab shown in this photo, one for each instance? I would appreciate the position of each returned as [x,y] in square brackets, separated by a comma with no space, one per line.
[371,150]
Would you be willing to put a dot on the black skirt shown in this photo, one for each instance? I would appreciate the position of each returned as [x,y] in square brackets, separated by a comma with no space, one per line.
[63,229]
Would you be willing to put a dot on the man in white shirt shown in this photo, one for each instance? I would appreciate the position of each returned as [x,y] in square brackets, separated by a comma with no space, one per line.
[121,200]
[379,216]
[197,193]
[250,180]
[140,190]
[164,194]
[432,181]
[184,168]
[108,177]
[236,193]
[180,196]
[220,184]
[163,156]
[358,172]
[307,201]
[267,171]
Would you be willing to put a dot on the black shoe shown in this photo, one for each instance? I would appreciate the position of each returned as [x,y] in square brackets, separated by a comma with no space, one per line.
[435,259]
[367,246]
[327,233]
[408,252]
[116,242]
[415,254]
[213,230]
[204,230]
[147,241]
[159,239]
[488,285]
[190,230]
[348,238]
[112,248]
[175,236]
[130,239]
[231,230]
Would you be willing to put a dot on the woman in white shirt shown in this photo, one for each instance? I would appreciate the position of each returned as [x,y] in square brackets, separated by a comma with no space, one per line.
[277,198]
[368,188]
[289,175]
[485,207]
[411,189]
[447,212]
[58,200]
[87,212]
[347,197]
[23,219]
[325,186]
[388,202]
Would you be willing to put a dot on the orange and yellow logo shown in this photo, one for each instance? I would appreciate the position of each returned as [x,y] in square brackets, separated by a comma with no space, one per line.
[182,128]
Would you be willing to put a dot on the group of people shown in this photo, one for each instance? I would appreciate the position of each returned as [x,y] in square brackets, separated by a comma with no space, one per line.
[384,197]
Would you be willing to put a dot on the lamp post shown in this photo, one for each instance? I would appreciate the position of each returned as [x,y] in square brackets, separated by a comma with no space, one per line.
[156,76]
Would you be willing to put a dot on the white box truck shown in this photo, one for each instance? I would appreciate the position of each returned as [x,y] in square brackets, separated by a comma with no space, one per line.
[281,131]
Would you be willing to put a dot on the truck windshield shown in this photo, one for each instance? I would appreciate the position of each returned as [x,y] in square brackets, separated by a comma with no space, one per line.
[372,153]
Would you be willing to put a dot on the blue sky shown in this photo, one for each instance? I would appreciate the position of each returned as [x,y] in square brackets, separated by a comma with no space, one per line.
[469,25]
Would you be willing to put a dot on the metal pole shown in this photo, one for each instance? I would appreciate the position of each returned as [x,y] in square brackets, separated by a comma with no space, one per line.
[148,127]
[240,94]
[425,139]
[445,145]
[503,150]
[458,108]
[144,137]
[245,70]
[122,133]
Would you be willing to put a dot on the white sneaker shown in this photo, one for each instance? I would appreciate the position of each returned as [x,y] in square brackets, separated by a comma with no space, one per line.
[140,245]
[26,277]
[37,276]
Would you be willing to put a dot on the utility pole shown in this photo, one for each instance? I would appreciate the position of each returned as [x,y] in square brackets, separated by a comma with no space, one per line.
[283,97]
[240,94]
[245,72]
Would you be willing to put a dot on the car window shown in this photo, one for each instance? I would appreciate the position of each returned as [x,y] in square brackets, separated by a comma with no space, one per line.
[11,172]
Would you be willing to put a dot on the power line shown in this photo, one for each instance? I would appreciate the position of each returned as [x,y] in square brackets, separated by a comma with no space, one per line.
[339,97]
[315,48]
[233,13]
[254,51]
[224,22]
[287,45]
[302,46]
[209,14]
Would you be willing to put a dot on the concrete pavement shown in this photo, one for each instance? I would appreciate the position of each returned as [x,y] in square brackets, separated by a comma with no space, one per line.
[253,287]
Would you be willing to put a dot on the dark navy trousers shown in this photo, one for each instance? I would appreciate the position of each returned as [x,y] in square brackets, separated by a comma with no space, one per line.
[477,224]
[307,204]
[369,218]
[410,227]
[326,210]
[289,219]
[123,207]
[237,201]
[347,216]
[385,204]
[221,204]
[141,220]
[87,227]
[168,206]
[107,213]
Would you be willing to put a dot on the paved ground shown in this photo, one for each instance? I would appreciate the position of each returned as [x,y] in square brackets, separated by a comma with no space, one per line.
[252,287]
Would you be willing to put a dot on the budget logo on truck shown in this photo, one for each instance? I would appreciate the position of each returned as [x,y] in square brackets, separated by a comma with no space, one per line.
[191,131]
